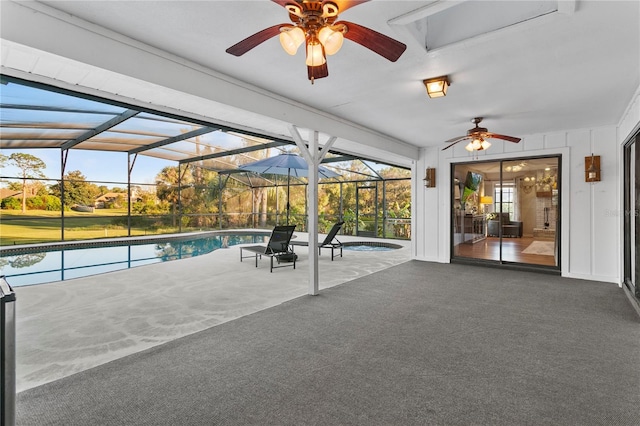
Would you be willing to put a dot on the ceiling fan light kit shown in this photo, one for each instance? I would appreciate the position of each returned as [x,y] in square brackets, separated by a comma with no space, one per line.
[437,87]
[477,145]
[291,38]
[331,38]
[315,54]
[314,23]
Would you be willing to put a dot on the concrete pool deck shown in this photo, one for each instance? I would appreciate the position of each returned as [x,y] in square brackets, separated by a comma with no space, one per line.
[66,327]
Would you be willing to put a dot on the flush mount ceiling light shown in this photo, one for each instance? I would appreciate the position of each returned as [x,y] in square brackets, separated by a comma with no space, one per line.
[437,87]
[314,24]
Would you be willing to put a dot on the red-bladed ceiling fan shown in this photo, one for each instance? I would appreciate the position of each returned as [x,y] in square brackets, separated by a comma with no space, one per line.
[479,136]
[314,24]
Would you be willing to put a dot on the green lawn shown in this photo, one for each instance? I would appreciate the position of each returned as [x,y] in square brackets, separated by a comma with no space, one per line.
[37,226]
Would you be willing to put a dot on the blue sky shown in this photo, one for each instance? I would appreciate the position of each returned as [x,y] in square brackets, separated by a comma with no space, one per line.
[95,165]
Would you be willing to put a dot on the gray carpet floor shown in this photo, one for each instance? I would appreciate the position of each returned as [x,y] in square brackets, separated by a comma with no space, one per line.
[419,343]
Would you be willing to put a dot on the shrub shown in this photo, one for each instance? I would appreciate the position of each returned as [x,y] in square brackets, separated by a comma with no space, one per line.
[11,203]
[52,203]
[35,203]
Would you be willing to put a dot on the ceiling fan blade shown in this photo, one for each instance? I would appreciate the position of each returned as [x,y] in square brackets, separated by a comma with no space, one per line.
[455,141]
[381,44]
[252,41]
[318,71]
[504,137]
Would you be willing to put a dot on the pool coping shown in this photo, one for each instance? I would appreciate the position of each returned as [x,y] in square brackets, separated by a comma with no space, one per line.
[120,241]
[149,239]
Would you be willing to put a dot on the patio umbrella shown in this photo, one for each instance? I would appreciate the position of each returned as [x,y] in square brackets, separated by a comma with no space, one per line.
[286,164]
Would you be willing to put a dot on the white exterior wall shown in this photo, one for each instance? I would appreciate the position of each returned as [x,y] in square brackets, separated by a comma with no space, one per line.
[592,226]
[590,235]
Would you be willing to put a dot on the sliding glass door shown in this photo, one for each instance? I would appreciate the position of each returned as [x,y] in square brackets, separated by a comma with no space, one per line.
[507,212]
[632,215]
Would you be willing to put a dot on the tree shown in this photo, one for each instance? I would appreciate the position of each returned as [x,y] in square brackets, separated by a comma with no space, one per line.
[148,204]
[30,168]
[77,190]
[201,200]
[167,188]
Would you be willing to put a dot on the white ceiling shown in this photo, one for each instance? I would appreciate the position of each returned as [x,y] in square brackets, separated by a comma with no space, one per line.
[574,69]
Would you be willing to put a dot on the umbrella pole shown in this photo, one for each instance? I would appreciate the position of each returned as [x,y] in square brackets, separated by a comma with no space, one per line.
[288,188]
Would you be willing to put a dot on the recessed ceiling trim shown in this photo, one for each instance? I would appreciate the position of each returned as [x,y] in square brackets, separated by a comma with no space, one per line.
[442,25]
[423,12]
[564,6]
[500,32]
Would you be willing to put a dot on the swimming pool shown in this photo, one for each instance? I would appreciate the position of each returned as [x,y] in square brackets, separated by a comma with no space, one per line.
[57,262]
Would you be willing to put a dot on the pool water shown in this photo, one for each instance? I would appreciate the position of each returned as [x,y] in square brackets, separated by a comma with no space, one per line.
[368,248]
[64,264]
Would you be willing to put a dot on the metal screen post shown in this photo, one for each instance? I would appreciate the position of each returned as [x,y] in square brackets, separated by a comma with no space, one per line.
[7,354]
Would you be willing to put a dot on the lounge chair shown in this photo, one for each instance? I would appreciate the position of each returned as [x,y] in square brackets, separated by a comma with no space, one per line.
[277,247]
[329,242]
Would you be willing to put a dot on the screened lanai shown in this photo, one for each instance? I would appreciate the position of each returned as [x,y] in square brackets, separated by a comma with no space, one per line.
[76,166]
